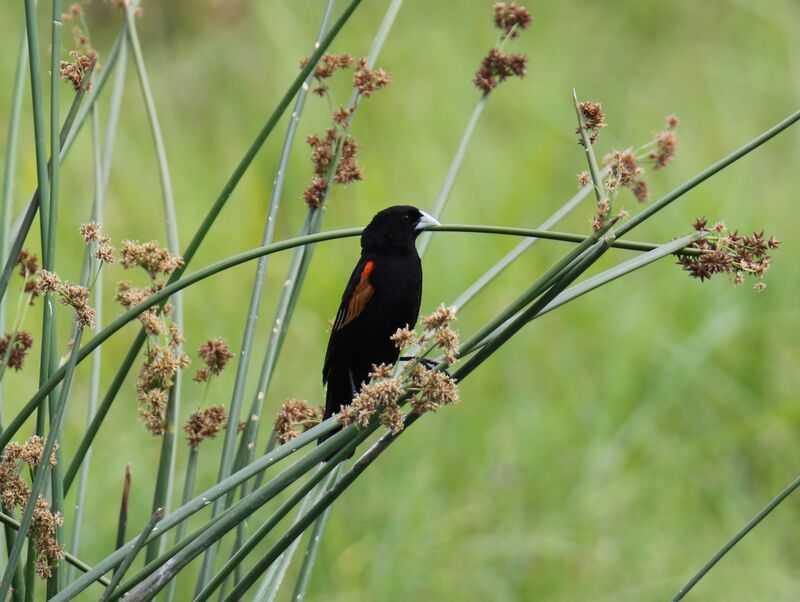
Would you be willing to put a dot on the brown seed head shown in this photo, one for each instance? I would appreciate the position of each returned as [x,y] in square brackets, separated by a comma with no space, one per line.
[204,424]
[295,413]
[510,18]
[216,354]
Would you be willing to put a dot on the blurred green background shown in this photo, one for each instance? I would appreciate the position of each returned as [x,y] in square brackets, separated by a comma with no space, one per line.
[611,447]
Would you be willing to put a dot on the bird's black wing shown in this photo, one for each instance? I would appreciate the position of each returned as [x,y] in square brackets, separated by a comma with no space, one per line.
[356,295]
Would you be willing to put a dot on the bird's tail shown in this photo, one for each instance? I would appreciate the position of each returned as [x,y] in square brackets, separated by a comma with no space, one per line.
[339,393]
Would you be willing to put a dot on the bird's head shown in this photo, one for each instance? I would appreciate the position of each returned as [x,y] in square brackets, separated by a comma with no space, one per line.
[395,228]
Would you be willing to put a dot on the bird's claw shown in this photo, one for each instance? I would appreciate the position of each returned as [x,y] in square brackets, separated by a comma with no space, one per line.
[427,362]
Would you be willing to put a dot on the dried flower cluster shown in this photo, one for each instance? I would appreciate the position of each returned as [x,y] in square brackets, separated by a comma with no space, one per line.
[15,492]
[367,81]
[437,329]
[511,18]
[294,414]
[71,295]
[93,235]
[325,69]
[75,71]
[723,251]
[204,424]
[324,150]
[381,394]
[216,354]
[156,379]
[593,119]
[624,170]
[15,355]
[496,67]
[28,266]
[150,257]
[164,357]
[434,389]
[666,143]
[43,533]
[322,156]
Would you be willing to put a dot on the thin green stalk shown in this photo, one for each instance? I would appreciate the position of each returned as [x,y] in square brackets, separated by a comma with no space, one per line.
[163,474]
[517,251]
[79,564]
[602,278]
[38,116]
[9,171]
[539,286]
[501,335]
[312,550]
[42,472]
[248,505]
[303,522]
[452,172]
[678,192]
[594,170]
[17,585]
[737,538]
[204,499]
[626,267]
[271,583]
[164,480]
[304,494]
[188,491]
[102,410]
[102,162]
[131,555]
[72,125]
[210,270]
[243,360]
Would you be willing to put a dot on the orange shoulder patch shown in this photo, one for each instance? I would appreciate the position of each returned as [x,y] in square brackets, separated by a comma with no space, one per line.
[358,300]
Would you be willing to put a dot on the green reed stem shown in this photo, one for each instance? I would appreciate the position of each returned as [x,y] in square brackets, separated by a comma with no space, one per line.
[622,269]
[243,362]
[249,504]
[188,491]
[651,210]
[131,555]
[43,469]
[102,167]
[215,268]
[452,172]
[312,549]
[736,539]
[271,583]
[69,131]
[166,472]
[204,499]
[9,171]
[9,528]
[594,170]
[304,493]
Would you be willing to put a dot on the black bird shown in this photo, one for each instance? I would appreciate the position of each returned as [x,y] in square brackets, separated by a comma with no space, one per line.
[383,294]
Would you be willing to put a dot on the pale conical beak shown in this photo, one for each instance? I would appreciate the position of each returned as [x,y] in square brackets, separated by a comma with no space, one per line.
[426,221]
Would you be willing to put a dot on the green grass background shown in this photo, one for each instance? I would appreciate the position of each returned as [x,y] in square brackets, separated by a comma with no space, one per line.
[609,449]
